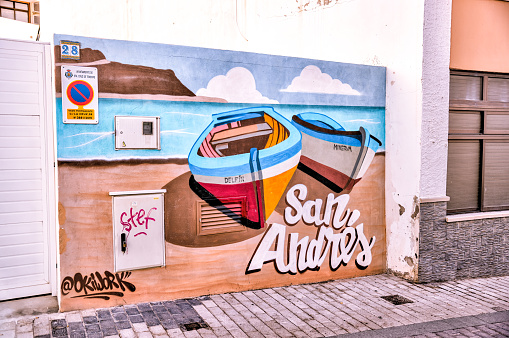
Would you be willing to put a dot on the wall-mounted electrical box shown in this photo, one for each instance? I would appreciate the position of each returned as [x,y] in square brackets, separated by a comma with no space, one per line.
[138,229]
[137,132]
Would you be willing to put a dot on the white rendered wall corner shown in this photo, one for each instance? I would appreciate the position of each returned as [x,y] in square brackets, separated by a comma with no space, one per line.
[435,100]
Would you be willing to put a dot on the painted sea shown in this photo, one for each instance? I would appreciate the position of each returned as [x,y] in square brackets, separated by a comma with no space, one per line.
[181,124]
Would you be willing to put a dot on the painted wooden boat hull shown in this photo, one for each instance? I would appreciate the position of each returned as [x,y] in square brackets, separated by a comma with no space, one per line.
[246,155]
[335,157]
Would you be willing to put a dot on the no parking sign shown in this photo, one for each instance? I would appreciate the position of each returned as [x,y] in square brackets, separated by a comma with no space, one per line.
[79,95]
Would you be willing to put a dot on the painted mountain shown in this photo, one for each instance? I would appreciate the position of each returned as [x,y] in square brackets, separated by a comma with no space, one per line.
[119,78]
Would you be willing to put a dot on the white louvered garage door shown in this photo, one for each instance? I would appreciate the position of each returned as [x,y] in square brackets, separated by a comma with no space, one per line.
[26,170]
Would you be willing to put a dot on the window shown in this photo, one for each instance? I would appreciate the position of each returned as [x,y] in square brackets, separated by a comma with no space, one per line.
[478,157]
[15,10]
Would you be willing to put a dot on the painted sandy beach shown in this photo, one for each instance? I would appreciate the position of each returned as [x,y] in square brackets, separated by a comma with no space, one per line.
[219,266]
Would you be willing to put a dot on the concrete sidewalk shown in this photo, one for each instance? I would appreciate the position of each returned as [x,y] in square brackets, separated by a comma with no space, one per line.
[474,307]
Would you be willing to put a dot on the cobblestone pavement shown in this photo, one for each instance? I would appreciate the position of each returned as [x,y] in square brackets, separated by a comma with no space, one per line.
[465,308]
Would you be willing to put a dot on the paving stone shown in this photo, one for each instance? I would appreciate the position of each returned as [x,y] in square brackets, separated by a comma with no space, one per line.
[144,307]
[152,321]
[59,332]
[175,333]
[90,320]
[148,313]
[206,333]
[103,314]
[55,316]
[107,323]
[221,332]
[209,303]
[122,325]
[164,315]
[58,323]
[89,328]
[88,313]
[159,308]
[191,334]
[194,301]
[118,317]
[76,326]
[132,310]
[117,309]
[136,319]
[169,324]
[174,309]
[157,330]
[41,328]
[95,335]
[77,334]
[73,317]
[140,327]
[127,333]
[109,331]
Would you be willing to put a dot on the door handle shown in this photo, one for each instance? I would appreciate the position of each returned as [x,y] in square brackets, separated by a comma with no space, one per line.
[123,242]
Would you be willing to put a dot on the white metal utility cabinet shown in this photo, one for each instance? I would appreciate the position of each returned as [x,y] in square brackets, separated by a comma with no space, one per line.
[138,229]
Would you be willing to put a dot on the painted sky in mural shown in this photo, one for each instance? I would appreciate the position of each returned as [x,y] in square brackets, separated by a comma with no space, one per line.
[252,77]
[353,95]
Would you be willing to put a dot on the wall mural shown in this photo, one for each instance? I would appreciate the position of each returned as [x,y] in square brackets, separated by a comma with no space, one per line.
[273,169]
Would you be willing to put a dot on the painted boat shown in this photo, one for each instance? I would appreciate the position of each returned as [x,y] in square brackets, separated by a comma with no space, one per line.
[335,157]
[249,156]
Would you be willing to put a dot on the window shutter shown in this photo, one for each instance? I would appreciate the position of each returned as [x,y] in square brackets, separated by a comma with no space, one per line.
[463,87]
[465,122]
[498,89]
[497,123]
[496,175]
[463,166]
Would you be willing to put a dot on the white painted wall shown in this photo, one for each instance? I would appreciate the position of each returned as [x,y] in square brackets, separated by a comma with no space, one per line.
[385,33]
[435,103]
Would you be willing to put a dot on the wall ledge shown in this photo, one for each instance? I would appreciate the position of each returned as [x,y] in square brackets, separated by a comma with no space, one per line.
[137,192]
[435,199]
[477,215]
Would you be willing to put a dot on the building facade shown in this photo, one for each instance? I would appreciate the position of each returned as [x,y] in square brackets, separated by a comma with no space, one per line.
[432,204]
[466,236]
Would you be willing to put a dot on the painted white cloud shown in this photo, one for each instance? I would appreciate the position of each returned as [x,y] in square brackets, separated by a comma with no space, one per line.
[312,80]
[238,85]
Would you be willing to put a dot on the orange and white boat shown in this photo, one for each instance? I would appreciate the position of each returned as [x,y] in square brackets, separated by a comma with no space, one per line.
[245,158]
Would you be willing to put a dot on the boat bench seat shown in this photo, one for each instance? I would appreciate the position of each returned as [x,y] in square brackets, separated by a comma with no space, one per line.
[240,133]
